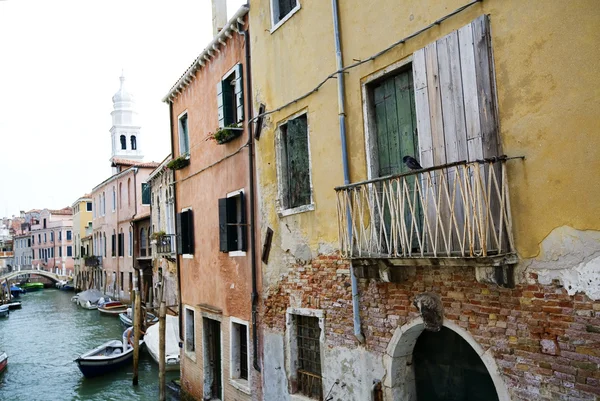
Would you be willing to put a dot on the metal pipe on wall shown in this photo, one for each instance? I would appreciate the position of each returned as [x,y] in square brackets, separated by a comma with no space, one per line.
[342,121]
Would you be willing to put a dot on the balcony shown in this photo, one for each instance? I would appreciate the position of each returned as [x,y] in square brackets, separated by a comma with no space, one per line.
[93,261]
[453,214]
[166,244]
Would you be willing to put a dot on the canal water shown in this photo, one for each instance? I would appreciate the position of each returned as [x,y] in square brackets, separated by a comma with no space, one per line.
[44,338]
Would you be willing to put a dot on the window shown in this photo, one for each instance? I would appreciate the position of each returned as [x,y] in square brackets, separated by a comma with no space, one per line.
[130,242]
[60,235]
[33,239]
[239,351]
[146,195]
[309,356]
[133,143]
[294,163]
[69,250]
[105,253]
[184,139]
[130,281]
[212,357]
[185,233]
[113,249]
[114,199]
[68,235]
[123,142]
[121,281]
[190,341]
[60,251]
[143,243]
[280,9]
[121,244]
[230,98]
[232,223]
[45,238]
[128,191]
[88,206]
[120,195]
[51,236]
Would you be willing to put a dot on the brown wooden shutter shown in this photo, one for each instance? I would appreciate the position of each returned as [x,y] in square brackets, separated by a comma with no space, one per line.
[454,95]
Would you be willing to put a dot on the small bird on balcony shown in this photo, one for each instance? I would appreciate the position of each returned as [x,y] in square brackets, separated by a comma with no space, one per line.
[411,163]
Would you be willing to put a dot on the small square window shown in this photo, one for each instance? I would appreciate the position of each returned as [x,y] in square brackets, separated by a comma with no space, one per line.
[89,206]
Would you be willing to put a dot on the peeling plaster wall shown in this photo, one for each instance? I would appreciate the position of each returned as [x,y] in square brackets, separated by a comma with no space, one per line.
[572,257]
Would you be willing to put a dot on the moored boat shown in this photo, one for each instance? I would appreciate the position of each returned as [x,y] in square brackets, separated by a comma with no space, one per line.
[112,308]
[4,311]
[14,305]
[16,291]
[172,349]
[3,361]
[127,318]
[32,286]
[108,356]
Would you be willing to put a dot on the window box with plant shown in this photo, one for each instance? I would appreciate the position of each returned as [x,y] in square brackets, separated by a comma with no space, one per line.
[226,134]
[179,163]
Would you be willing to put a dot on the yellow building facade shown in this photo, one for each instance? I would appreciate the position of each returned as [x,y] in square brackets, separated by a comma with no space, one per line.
[507,246]
[82,228]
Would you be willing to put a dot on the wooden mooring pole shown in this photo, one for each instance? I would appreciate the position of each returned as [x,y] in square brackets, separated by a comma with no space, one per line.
[162,315]
[137,315]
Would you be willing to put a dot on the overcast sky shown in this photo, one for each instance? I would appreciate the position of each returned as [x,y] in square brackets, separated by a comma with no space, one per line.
[60,63]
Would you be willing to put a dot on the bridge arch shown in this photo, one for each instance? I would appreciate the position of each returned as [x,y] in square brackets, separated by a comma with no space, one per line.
[52,276]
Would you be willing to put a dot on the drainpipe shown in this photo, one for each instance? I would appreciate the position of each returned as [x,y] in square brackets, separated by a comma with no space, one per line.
[342,116]
[177,267]
[254,297]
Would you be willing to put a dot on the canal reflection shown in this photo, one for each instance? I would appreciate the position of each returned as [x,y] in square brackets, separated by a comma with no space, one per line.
[44,338]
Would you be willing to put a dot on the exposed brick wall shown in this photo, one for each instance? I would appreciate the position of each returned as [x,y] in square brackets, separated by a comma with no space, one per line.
[545,342]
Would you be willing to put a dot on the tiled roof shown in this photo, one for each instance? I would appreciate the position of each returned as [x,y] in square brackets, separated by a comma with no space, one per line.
[133,163]
[65,211]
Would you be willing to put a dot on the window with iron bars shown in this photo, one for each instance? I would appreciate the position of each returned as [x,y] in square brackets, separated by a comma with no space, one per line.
[309,357]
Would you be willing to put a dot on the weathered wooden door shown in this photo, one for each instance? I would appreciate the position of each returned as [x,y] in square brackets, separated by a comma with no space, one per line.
[396,125]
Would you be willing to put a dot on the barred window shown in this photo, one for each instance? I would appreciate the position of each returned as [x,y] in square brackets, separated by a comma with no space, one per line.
[309,357]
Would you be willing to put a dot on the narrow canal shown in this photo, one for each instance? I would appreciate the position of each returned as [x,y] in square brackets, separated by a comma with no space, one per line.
[42,341]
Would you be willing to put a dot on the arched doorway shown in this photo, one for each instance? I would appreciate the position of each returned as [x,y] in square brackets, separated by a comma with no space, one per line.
[447,368]
[420,365]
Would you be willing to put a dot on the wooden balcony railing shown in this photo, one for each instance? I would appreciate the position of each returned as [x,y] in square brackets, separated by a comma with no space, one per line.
[457,210]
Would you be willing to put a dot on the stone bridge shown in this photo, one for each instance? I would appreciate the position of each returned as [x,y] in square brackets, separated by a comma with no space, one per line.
[52,276]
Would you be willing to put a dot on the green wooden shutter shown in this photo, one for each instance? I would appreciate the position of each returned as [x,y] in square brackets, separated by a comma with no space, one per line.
[239,93]
[179,234]
[232,237]
[145,194]
[223,228]
[220,104]
[298,172]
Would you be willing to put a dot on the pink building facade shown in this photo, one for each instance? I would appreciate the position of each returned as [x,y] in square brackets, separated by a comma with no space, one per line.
[52,241]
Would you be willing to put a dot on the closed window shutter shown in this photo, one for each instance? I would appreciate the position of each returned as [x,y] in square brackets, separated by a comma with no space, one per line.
[179,235]
[454,95]
[239,93]
[298,176]
[184,233]
[243,230]
[188,245]
[114,245]
[223,228]
[455,104]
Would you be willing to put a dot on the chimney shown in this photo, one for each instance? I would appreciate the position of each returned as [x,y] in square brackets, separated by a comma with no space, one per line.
[219,15]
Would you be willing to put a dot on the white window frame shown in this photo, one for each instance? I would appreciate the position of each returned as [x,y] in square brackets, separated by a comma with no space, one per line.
[234,349]
[292,345]
[232,195]
[190,354]
[275,9]
[181,152]
[279,159]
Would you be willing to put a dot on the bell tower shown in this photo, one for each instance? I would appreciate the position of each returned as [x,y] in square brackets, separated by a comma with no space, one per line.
[125,130]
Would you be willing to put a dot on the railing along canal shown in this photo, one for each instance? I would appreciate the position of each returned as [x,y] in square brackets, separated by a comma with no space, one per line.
[459,209]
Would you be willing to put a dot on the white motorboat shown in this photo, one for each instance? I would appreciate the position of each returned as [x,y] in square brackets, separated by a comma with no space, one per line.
[172,350]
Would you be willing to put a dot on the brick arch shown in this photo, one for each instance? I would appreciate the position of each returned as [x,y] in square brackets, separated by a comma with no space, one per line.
[399,382]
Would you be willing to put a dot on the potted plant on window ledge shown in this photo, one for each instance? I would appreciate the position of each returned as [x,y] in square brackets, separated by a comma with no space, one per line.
[226,134]
[179,163]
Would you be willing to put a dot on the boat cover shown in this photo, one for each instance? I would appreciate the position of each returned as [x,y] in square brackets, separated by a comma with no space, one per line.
[171,338]
[91,295]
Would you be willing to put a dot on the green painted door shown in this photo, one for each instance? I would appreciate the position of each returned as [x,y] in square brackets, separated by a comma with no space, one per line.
[396,125]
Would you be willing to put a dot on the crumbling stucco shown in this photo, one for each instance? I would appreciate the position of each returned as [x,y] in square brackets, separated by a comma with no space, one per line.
[572,257]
